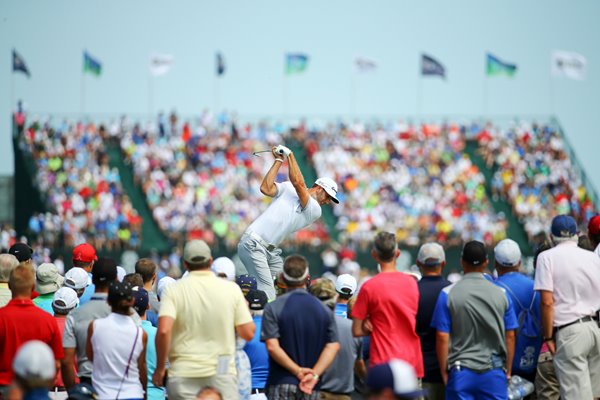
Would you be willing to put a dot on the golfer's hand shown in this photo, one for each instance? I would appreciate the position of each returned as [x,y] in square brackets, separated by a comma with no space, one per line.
[282,151]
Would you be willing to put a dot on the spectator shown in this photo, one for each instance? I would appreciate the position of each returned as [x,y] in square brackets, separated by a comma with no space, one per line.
[337,382]
[594,233]
[394,380]
[84,256]
[121,273]
[526,305]
[255,349]
[21,321]
[22,252]
[197,310]
[223,267]
[147,269]
[119,368]
[163,283]
[386,309]
[34,369]
[431,260]
[76,329]
[7,263]
[568,279]
[247,283]
[65,300]
[209,393]
[475,317]
[134,280]
[345,286]
[77,279]
[48,281]
[82,391]
[300,335]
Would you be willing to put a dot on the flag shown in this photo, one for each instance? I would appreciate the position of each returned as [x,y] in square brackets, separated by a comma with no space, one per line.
[364,64]
[91,65]
[160,64]
[568,64]
[431,67]
[497,67]
[295,63]
[220,64]
[19,64]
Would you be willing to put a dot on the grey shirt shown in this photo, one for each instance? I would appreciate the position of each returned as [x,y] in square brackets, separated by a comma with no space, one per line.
[339,377]
[154,303]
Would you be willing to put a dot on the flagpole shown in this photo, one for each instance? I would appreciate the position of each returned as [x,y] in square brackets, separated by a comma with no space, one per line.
[12,93]
[353,85]
[150,95]
[420,95]
[485,96]
[217,95]
[284,95]
[551,86]
[82,95]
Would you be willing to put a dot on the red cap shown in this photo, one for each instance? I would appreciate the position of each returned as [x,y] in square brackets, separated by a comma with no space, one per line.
[84,253]
[594,225]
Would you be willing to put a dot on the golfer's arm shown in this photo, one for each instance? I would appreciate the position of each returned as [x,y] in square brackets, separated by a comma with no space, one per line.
[267,187]
[298,180]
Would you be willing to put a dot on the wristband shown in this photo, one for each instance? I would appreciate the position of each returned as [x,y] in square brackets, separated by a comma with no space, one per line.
[315,377]
[548,339]
[279,159]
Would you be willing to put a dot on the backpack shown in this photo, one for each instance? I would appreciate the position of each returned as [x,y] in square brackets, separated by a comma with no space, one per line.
[528,335]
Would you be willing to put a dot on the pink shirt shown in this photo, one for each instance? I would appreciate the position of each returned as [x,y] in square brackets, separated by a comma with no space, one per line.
[573,276]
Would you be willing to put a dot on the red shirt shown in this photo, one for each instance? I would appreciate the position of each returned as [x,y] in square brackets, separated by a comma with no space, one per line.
[391,301]
[20,322]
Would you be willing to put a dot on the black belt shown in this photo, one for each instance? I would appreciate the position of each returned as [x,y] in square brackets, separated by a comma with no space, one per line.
[587,318]
[59,389]
[85,379]
[257,391]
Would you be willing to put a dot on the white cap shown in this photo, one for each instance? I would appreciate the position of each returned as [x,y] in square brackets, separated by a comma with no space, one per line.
[121,273]
[76,278]
[345,284]
[507,253]
[431,254]
[330,187]
[224,265]
[163,283]
[65,298]
[34,360]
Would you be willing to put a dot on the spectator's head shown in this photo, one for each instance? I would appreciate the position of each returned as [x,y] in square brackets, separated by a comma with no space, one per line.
[147,269]
[120,297]
[345,286]
[21,281]
[134,280]
[7,263]
[295,272]
[84,256]
[257,300]
[209,393]
[104,271]
[393,380]
[21,251]
[197,255]
[351,306]
[507,256]
[474,257]
[563,229]
[324,290]
[34,366]
[246,283]
[141,301]
[77,279]
[82,391]
[385,248]
[431,259]
[223,267]
[585,243]
[64,301]
[47,278]
[326,191]
[594,230]
[162,284]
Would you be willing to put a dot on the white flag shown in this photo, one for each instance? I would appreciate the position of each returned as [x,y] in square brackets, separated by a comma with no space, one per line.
[160,64]
[364,64]
[568,64]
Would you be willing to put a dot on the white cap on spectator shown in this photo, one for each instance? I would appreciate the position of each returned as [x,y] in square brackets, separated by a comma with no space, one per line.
[34,360]
[345,284]
[76,278]
[431,254]
[225,266]
[121,273]
[65,298]
[507,253]
[163,283]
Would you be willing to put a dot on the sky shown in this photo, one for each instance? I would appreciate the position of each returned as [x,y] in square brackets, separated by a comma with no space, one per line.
[255,35]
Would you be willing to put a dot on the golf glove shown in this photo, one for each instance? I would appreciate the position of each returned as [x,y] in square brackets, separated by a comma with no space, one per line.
[283,150]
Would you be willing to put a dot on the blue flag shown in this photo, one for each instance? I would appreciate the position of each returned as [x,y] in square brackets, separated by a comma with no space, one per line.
[19,64]
[91,65]
[295,63]
[430,66]
[220,64]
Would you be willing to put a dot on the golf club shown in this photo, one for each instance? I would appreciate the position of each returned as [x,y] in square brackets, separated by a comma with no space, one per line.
[257,153]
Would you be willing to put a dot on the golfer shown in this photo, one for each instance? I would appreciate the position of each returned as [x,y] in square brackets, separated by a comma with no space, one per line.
[294,207]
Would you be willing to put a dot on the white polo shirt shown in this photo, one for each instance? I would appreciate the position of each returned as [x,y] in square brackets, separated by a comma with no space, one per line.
[572,275]
[285,215]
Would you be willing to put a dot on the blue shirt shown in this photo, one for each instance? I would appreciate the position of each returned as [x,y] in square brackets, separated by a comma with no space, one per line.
[341,310]
[88,292]
[258,356]
[154,393]
[44,301]
[37,394]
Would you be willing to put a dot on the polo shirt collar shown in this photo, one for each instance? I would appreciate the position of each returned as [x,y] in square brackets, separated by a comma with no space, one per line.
[432,278]
[571,243]
[99,296]
[473,275]
[20,302]
[207,272]
[3,285]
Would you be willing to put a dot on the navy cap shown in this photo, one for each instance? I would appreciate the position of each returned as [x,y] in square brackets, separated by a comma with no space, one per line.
[396,375]
[82,391]
[21,251]
[246,282]
[118,291]
[563,226]
[104,270]
[141,300]
[474,253]
[257,299]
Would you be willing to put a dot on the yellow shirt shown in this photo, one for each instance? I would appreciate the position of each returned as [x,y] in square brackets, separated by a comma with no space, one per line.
[206,310]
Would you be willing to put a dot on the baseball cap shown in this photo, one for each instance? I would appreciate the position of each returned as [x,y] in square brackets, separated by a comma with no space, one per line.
[34,360]
[82,391]
[431,254]
[85,253]
[65,298]
[345,284]
[48,280]
[121,273]
[76,278]
[331,188]
[224,265]
[507,253]
[21,250]
[246,282]
[397,375]
[104,270]
[141,299]
[163,283]
[563,226]
[196,251]
[474,253]
[257,299]
[323,289]
[594,225]
[118,291]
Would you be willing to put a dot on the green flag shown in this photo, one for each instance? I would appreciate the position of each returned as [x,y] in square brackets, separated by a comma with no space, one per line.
[496,67]
[91,65]
[295,63]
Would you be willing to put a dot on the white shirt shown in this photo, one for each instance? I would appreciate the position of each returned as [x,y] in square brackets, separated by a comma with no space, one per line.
[572,275]
[284,215]
[597,251]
